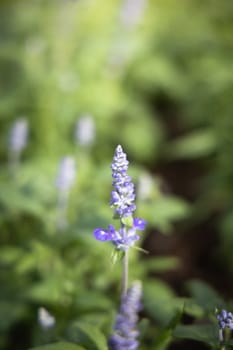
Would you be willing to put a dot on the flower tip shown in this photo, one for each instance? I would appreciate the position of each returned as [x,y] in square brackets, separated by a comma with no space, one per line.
[119,148]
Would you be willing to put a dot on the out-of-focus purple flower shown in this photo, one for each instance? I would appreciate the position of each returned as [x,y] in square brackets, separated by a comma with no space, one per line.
[45,319]
[225,319]
[85,131]
[125,328]
[66,173]
[131,12]
[18,135]
[123,195]
[145,186]
[123,238]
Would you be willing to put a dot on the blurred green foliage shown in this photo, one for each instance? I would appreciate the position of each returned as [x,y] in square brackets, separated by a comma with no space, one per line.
[163,89]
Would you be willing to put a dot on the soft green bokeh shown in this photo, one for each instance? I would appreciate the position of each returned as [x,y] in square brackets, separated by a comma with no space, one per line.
[162,88]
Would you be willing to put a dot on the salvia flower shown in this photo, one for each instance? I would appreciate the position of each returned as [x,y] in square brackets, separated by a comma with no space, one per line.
[18,135]
[225,319]
[85,131]
[66,174]
[45,319]
[122,202]
[123,194]
[125,329]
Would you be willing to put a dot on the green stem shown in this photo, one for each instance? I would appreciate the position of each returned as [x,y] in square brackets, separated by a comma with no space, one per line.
[125,273]
[62,209]
[221,339]
[14,161]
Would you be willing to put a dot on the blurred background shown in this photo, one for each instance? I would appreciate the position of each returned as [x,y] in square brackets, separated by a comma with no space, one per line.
[79,77]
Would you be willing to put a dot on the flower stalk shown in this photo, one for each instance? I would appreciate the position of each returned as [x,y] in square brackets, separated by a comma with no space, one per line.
[122,202]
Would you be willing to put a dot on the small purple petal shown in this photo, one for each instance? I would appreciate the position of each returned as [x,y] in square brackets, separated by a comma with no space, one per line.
[222,324]
[224,313]
[102,235]
[112,232]
[139,224]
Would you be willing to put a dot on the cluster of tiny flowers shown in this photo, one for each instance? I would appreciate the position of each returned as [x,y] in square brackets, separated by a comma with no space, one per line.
[85,131]
[123,195]
[18,135]
[225,319]
[122,202]
[66,174]
[45,319]
[125,332]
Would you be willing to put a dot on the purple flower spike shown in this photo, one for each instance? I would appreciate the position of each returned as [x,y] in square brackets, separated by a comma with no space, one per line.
[18,135]
[122,201]
[225,319]
[66,174]
[125,328]
[123,195]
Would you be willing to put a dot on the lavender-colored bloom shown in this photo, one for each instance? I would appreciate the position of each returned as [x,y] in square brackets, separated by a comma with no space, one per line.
[45,319]
[18,135]
[85,131]
[66,174]
[123,195]
[122,202]
[123,238]
[125,328]
[225,319]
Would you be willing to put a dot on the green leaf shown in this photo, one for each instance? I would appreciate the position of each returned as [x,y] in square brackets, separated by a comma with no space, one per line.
[166,210]
[93,300]
[128,221]
[193,309]
[116,255]
[47,291]
[165,335]
[195,145]
[87,335]
[10,313]
[161,263]
[10,255]
[229,343]
[204,295]
[59,346]
[16,201]
[160,302]
[206,333]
